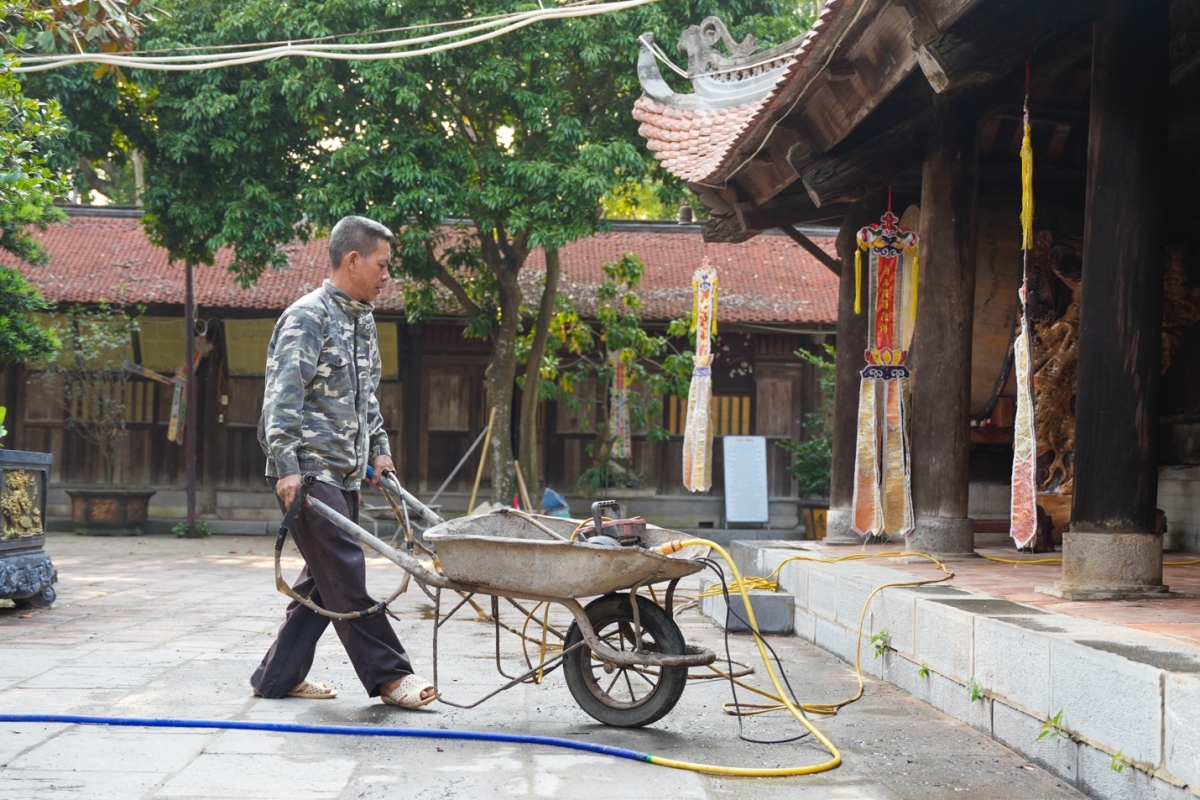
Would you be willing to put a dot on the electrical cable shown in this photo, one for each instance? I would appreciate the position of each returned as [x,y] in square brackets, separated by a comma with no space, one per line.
[499,27]
[733,684]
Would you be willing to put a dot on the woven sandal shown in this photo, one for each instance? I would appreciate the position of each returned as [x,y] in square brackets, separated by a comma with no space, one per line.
[307,690]
[408,693]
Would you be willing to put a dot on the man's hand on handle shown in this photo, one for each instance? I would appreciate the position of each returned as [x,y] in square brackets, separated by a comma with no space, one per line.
[286,490]
[382,464]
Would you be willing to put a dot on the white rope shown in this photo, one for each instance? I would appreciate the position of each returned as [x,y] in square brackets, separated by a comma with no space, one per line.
[201,61]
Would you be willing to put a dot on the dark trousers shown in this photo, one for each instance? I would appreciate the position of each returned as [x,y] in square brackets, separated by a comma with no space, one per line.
[334,576]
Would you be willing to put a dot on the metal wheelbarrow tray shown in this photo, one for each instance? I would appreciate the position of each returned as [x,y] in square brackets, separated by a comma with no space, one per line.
[507,554]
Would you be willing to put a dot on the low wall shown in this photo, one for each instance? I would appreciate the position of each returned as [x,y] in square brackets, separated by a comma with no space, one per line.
[1119,690]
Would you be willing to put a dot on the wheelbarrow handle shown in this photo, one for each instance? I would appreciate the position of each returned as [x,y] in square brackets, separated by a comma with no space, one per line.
[390,483]
[297,503]
[599,504]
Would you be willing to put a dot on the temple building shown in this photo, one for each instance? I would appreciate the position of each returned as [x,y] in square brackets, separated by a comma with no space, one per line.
[916,106]
[433,389]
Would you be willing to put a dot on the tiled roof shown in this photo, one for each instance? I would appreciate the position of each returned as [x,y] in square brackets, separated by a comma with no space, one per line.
[768,279]
[691,143]
[696,144]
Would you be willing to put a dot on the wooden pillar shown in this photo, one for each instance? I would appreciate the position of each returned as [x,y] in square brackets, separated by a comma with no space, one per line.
[941,347]
[851,342]
[1111,548]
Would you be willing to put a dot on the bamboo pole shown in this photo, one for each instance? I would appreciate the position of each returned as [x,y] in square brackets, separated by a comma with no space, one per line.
[487,440]
[521,486]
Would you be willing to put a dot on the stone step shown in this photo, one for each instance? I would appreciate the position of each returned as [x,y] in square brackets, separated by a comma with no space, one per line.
[774,611]
[1006,668]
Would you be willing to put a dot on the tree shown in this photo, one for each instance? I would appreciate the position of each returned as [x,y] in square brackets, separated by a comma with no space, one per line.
[653,367]
[89,380]
[30,130]
[521,137]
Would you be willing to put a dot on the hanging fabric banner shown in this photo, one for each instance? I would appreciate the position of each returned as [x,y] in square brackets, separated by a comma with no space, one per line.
[697,432]
[619,409]
[1024,472]
[882,501]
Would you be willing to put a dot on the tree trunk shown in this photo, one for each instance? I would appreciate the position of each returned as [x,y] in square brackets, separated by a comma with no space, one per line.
[501,375]
[528,435]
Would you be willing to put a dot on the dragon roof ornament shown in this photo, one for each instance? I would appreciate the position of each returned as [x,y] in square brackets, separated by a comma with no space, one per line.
[743,76]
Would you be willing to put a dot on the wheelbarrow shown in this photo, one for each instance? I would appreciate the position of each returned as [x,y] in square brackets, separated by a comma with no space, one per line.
[624,658]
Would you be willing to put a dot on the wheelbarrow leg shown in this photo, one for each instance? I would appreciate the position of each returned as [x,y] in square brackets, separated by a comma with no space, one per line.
[670,599]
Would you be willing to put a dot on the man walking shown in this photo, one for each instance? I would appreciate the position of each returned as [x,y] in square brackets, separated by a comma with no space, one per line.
[320,416]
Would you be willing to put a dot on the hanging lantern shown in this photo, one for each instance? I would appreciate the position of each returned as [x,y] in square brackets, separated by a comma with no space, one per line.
[882,473]
[697,432]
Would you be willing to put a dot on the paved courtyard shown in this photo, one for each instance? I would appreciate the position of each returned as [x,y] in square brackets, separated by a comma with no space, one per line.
[163,627]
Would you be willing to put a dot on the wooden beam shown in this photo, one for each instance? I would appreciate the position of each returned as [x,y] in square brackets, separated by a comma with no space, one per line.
[845,178]
[813,249]
[792,209]
[997,37]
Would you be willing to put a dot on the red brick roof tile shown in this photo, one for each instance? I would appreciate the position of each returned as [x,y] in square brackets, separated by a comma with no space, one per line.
[768,279]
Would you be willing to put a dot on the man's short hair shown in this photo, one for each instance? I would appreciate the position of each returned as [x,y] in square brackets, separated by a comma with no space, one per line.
[355,234]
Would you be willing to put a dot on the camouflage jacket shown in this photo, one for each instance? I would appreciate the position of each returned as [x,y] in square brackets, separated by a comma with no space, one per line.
[319,412]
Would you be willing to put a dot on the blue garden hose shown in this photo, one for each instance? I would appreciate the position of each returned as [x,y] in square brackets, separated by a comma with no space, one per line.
[337,730]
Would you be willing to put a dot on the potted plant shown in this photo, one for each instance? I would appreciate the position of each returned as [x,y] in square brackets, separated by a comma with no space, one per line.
[27,574]
[812,456]
[89,381]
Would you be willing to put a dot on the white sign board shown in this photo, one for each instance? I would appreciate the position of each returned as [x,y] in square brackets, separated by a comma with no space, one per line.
[746,479]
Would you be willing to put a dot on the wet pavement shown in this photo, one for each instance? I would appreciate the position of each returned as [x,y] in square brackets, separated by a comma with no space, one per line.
[170,628]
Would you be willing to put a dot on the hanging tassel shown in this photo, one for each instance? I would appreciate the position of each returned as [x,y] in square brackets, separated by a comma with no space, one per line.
[1026,189]
[695,306]
[1026,176]
[858,280]
[716,296]
[916,280]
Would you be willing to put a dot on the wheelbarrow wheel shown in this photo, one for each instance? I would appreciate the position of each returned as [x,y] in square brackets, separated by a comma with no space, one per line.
[632,696]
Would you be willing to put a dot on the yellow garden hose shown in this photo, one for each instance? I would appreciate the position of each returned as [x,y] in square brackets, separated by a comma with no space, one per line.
[752,772]
[999,560]
[771,583]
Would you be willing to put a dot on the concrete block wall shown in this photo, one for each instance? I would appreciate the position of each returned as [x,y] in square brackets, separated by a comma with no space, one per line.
[1119,690]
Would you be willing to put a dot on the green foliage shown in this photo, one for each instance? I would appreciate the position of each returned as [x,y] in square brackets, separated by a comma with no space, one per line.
[1118,762]
[974,690]
[607,475]
[923,672]
[22,339]
[88,379]
[3,430]
[1053,729]
[181,528]
[882,642]
[578,351]
[813,455]
[32,131]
